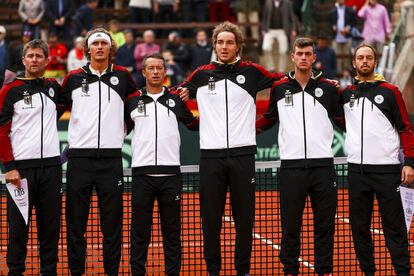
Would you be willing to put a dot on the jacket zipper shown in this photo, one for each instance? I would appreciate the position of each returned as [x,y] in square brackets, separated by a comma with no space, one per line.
[362,132]
[156,133]
[304,124]
[99,116]
[41,127]
[227,114]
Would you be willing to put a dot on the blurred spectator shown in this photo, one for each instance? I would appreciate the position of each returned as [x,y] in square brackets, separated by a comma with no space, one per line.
[141,50]
[279,22]
[165,11]
[355,4]
[31,12]
[56,68]
[325,58]
[219,10]
[140,11]
[59,13]
[4,51]
[346,78]
[201,50]
[16,54]
[179,50]
[342,20]
[297,9]
[248,12]
[125,53]
[174,75]
[76,56]
[83,18]
[193,10]
[117,36]
[377,26]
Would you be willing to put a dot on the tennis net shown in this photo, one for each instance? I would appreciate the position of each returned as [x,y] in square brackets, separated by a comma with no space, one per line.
[266,239]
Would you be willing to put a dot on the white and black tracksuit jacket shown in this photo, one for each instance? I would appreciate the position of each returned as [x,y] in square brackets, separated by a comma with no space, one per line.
[226,98]
[96,126]
[377,124]
[305,130]
[28,123]
[156,139]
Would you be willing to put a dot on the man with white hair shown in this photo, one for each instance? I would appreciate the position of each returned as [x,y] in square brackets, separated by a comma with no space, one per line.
[96,94]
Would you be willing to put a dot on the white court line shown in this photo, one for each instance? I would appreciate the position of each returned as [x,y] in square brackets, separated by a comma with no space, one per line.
[373,230]
[270,243]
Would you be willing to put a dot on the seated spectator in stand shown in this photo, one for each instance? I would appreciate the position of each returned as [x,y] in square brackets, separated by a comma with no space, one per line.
[83,18]
[377,26]
[76,56]
[16,54]
[248,12]
[125,54]
[165,11]
[4,50]
[219,10]
[31,12]
[174,75]
[56,68]
[325,58]
[141,50]
[60,13]
[201,50]
[342,21]
[179,49]
[345,79]
[117,36]
[140,11]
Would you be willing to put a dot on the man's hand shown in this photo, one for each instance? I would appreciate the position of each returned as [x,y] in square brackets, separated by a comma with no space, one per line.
[407,175]
[13,177]
[184,93]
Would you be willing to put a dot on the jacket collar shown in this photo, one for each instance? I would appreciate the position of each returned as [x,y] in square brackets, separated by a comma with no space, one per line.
[87,69]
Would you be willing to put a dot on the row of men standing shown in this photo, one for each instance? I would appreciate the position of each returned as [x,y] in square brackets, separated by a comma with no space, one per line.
[303,102]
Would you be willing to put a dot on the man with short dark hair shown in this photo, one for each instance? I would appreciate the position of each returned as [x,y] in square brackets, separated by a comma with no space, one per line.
[377,124]
[304,104]
[154,113]
[29,149]
[226,90]
[96,94]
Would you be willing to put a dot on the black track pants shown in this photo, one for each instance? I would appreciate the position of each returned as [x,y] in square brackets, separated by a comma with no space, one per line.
[167,191]
[295,185]
[216,175]
[107,177]
[362,188]
[45,186]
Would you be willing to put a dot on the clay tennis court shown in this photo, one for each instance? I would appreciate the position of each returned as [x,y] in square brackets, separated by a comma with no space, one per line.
[266,240]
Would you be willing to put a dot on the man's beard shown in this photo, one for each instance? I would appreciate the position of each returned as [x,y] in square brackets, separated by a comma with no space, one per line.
[366,73]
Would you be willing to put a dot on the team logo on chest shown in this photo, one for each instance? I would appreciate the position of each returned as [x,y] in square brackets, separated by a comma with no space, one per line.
[240,79]
[51,92]
[170,103]
[85,87]
[379,99]
[27,98]
[318,92]
[211,84]
[352,101]
[141,106]
[114,80]
[288,98]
